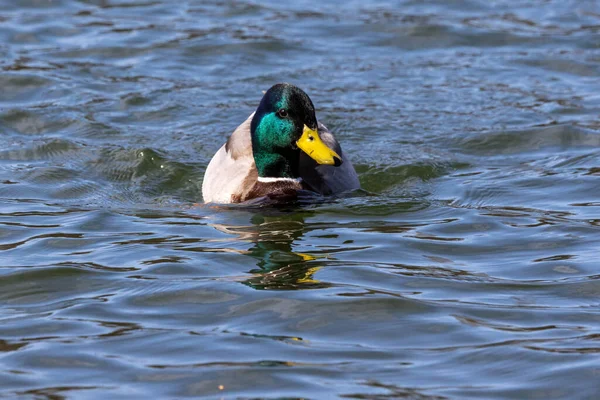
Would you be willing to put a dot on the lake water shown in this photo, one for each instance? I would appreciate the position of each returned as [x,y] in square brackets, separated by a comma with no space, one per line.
[467,268]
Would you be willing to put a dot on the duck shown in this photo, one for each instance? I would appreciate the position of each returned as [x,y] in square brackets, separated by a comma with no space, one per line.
[280,150]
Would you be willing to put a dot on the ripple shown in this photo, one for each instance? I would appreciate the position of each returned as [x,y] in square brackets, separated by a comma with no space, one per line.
[31,123]
[559,137]
[21,87]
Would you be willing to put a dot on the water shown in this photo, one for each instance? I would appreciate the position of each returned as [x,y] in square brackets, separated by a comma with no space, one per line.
[468,268]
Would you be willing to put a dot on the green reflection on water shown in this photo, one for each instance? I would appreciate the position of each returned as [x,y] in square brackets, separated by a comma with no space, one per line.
[273,235]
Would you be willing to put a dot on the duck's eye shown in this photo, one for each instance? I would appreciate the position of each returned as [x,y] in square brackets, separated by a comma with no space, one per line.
[282,113]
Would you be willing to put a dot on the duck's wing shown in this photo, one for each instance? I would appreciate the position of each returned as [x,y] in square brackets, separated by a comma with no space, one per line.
[231,171]
[327,179]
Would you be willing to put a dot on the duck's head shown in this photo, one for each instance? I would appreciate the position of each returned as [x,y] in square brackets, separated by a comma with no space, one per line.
[284,125]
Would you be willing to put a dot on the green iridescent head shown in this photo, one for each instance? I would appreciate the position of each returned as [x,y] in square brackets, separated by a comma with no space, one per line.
[285,124]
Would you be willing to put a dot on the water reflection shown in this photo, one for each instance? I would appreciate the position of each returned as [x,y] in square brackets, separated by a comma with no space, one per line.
[278,266]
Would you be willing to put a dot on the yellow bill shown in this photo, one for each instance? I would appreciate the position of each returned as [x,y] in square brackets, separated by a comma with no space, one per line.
[310,142]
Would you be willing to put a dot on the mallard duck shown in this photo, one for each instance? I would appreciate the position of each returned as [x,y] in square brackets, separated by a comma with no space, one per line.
[280,149]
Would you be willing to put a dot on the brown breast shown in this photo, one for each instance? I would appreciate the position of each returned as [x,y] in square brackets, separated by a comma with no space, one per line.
[279,190]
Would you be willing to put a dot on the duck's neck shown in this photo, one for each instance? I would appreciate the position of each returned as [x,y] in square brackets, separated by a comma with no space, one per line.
[272,165]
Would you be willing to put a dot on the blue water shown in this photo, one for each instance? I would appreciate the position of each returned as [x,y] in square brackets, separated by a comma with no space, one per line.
[467,268]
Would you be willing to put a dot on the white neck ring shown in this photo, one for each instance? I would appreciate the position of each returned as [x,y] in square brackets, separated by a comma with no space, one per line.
[269,179]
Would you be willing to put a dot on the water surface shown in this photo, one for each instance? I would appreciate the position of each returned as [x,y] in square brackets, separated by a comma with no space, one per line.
[468,268]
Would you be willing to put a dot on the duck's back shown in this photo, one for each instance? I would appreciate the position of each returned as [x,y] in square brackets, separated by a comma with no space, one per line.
[231,168]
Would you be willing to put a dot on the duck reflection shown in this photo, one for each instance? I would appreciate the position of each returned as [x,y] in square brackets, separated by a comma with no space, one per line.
[278,267]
